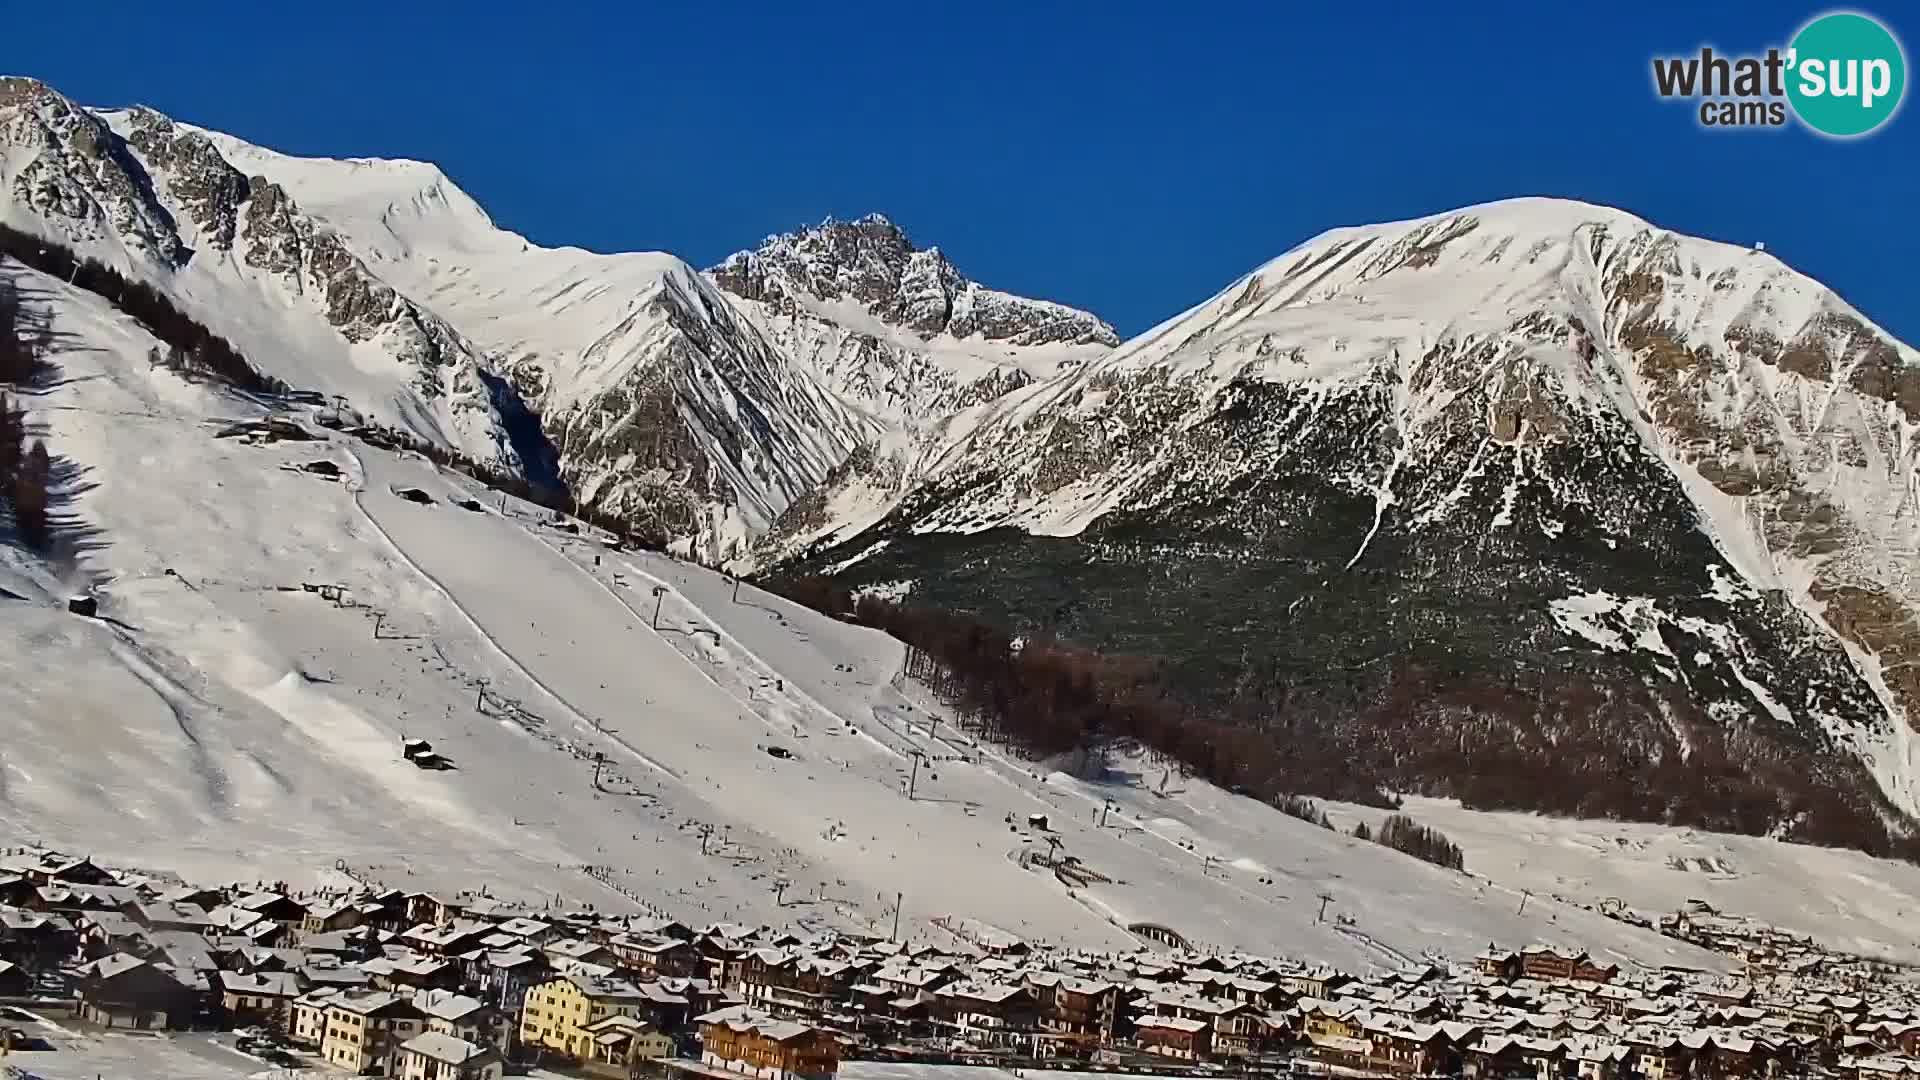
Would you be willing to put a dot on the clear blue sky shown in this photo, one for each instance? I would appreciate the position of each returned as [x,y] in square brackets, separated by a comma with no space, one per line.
[1130,158]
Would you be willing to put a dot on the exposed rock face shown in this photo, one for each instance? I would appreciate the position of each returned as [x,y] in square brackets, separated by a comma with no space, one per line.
[897,330]
[901,335]
[1420,482]
[160,200]
[308,258]
[872,261]
[695,430]
[199,180]
[69,169]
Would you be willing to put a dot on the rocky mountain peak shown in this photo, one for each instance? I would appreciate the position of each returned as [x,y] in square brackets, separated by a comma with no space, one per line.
[161,202]
[872,262]
[65,166]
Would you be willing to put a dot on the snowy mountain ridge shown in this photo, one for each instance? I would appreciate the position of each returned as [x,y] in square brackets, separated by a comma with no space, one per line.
[659,403]
[160,204]
[897,329]
[697,415]
[899,333]
[656,398]
[1560,394]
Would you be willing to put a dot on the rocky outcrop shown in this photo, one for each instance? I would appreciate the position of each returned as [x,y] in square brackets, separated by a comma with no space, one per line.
[70,171]
[697,432]
[197,178]
[901,335]
[160,201]
[872,262]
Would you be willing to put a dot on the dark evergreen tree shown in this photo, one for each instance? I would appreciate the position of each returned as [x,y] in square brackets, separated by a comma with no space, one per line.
[31,497]
[13,437]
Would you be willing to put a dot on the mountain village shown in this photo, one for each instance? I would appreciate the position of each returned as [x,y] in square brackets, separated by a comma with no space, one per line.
[384,982]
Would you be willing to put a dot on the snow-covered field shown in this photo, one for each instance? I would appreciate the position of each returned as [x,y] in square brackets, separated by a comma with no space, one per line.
[1842,898]
[224,722]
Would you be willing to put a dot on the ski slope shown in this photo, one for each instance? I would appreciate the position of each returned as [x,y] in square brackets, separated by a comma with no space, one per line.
[224,722]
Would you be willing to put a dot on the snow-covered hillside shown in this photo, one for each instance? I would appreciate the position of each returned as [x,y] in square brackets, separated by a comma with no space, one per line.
[697,407]
[225,719]
[157,202]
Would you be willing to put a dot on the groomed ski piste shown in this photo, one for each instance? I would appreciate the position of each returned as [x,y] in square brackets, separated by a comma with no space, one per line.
[269,636]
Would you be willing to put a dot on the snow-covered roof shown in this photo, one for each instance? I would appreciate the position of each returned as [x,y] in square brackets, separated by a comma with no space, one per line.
[444,1048]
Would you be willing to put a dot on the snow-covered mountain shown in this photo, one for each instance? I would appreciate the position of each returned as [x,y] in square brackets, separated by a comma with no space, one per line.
[898,329]
[1525,451]
[159,203]
[663,404]
[1637,508]
[654,396]
[903,336]
[697,415]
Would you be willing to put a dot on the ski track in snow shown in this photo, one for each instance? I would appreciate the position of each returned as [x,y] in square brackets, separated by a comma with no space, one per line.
[557,699]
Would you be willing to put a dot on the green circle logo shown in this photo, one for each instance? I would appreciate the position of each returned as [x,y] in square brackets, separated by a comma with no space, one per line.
[1848,74]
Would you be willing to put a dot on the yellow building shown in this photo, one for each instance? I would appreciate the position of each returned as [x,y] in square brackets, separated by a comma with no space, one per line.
[364,1032]
[560,1012]
[307,1021]
[626,1041]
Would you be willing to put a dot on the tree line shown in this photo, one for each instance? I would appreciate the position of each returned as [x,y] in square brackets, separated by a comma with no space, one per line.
[1402,833]
[26,469]
[1568,741]
[191,346]
[1048,697]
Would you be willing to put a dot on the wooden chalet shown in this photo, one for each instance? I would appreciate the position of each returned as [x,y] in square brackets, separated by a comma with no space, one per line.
[986,1014]
[1497,963]
[743,1040]
[1549,962]
[36,941]
[274,907]
[16,890]
[332,916]
[1182,1038]
[801,986]
[1082,1009]
[56,869]
[1413,1049]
